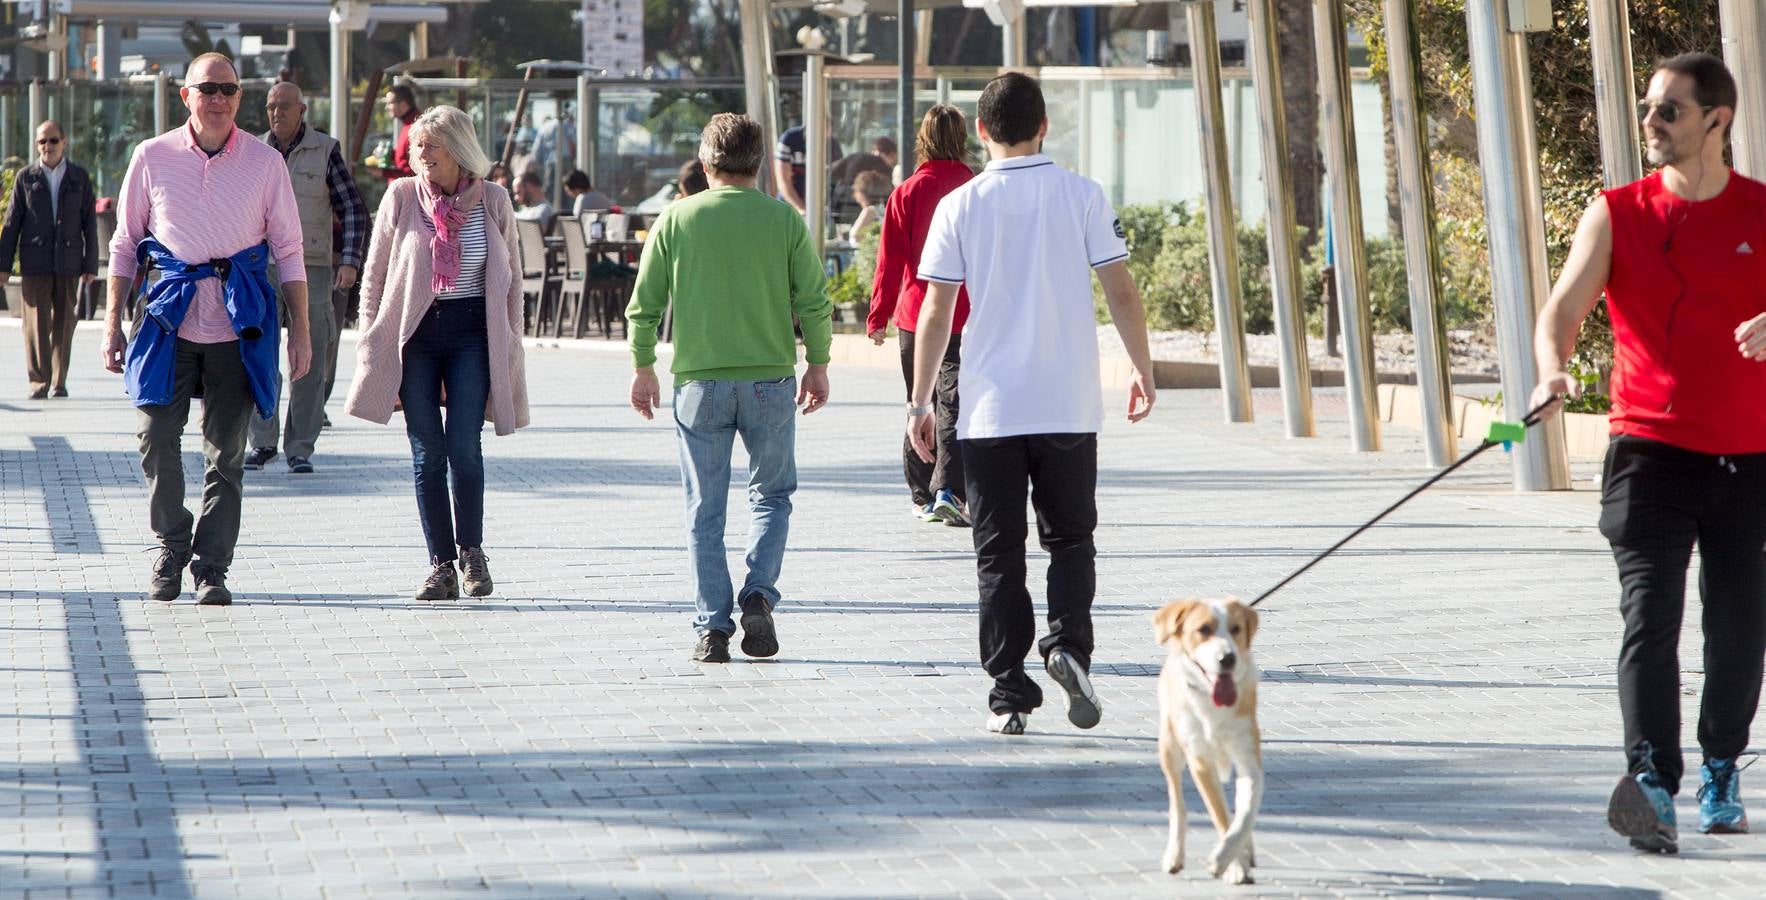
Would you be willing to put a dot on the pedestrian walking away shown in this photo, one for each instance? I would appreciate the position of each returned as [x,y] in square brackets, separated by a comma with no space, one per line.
[736,265]
[1025,237]
[1680,256]
[936,488]
[441,328]
[324,191]
[220,211]
[52,229]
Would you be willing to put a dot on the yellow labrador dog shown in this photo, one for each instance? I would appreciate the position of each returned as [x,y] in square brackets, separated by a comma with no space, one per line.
[1208,718]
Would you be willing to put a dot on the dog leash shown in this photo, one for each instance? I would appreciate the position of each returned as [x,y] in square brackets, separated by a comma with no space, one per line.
[1505,433]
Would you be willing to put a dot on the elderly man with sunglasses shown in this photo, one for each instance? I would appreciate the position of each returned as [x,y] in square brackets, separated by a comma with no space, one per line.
[208,208]
[52,228]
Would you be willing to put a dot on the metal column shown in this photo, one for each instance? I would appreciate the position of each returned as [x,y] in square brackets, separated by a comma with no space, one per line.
[39,109]
[340,71]
[1336,109]
[1744,42]
[815,149]
[1615,92]
[1278,191]
[904,91]
[1013,42]
[161,88]
[419,42]
[756,81]
[588,108]
[1422,253]
[1223,241]
[6,125]
[1508,153]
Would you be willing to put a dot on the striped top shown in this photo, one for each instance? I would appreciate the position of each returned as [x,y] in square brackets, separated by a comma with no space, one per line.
[473,250]
[204,208]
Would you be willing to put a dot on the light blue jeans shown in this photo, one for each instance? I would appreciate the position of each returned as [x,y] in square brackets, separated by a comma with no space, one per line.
[708,416]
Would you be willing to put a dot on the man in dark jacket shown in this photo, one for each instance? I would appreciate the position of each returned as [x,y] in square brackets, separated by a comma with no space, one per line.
[53,230]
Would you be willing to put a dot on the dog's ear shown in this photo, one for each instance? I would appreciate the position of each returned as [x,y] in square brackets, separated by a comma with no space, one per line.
[1168,621]
[1245,615]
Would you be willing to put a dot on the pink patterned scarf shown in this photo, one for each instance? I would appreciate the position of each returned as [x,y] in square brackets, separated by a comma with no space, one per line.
[447,214]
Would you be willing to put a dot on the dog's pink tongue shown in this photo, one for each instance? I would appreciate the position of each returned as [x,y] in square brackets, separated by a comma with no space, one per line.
[1225,692]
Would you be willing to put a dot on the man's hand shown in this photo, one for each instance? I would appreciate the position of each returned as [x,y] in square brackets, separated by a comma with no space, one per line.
[920,435]
[1553,388]
[875,336]
[1141,395]
[85,280]
[646,393]
[812,390]
[113,348]
[300,354]
[346,276]
[1750,338]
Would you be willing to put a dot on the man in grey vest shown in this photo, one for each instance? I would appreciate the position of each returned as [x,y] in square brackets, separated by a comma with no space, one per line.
[323,190]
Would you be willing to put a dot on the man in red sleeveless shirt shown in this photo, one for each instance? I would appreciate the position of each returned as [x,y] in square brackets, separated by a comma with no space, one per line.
[1681,256]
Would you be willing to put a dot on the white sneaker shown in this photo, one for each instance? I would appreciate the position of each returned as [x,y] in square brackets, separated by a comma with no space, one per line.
[1008,723]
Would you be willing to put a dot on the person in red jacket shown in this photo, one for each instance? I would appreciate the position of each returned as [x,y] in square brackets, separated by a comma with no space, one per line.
[1680,256]
[401,107]
[897,291]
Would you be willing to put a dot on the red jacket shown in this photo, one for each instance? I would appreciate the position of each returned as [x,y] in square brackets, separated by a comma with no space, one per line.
[1684,277]
[897,289]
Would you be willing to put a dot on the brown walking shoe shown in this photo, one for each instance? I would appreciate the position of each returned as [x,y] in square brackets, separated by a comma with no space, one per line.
[441,584]
[475,571]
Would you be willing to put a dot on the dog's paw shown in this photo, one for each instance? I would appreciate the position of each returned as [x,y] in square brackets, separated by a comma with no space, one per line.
[1237,873]
[1172,861]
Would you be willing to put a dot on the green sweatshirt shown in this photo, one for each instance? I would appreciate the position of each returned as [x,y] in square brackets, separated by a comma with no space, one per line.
[736,264]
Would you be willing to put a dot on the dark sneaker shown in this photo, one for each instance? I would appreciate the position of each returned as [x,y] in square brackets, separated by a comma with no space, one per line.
[950,510]
[713,647]
[441,583]
[1008,723]
[41,393]
[58,392]
[325,421]
[1642,809]
[759,640]
[1720,809]
[1083,708]
[211,587]
[167,580]
[475,571]
[300,465]
[257,456]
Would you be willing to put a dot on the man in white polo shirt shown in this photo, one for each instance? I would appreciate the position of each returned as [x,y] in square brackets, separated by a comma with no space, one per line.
[1025,236]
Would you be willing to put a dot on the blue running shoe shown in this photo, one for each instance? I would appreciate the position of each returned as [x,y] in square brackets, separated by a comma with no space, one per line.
[947,508]
[1642,809]
[1720,809]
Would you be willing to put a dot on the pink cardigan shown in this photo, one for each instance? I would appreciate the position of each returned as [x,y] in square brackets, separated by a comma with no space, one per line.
[396,295]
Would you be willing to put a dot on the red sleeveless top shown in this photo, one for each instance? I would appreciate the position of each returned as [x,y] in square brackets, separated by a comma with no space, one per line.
[1684,276]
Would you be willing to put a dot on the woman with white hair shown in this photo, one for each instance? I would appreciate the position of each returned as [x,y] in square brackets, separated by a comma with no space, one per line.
[441,328]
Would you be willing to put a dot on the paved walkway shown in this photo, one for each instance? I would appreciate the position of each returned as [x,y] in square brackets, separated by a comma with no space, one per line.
[1439,708]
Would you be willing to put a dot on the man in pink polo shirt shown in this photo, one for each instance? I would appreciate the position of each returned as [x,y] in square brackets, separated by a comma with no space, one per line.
[206,191]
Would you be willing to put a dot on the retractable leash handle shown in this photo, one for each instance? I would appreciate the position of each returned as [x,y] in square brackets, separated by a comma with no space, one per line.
[1505,433]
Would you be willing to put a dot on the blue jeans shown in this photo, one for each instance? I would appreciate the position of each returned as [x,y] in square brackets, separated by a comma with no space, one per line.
[449,351]
[708,416]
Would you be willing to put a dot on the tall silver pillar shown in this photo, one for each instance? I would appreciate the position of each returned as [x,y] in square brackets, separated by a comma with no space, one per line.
[587,110]
[908,124]
[1336,112]
[1422,251]
[1278,191]
[162,84]
[110,50]
[39,107]
[6,112]
[1615,92]
[1508,153]
[419,41]
[1744,49]
[1223,241]
[341,12]
[1013,41]
[757,67]
[815,149]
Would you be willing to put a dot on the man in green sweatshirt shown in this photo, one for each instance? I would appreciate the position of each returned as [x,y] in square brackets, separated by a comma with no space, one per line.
[735,264]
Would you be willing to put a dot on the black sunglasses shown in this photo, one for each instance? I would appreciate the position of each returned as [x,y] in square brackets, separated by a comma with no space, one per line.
[1667,109]
[50,141]
[208,88]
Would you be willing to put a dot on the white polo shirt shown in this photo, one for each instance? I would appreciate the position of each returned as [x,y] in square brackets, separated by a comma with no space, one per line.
[1024,235]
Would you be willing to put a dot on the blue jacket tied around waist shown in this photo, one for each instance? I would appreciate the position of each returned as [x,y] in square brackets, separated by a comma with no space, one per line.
[151,361]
